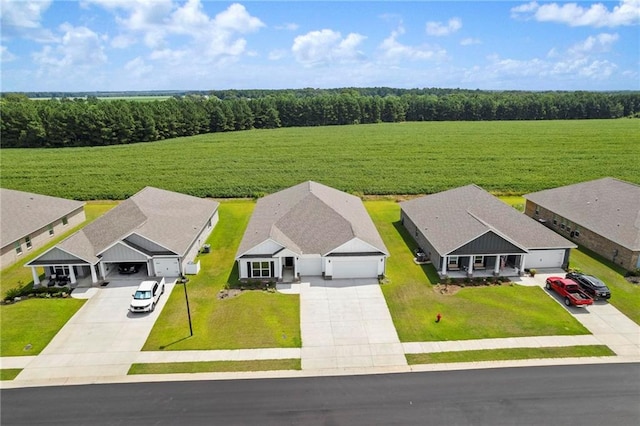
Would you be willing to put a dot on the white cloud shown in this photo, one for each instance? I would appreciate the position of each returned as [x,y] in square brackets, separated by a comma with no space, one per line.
[236,18]
[138,68]
[122,41]
[470,41]
[327,46]
[289,26]
[23,19]
[394,51]
[5,55]
[277,54]
[439,29]
[627,12]
[594,44]
[78,47]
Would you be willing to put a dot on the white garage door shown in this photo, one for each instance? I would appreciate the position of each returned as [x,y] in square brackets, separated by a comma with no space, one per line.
[544,259]
[355,268]
[169,267]
[310,266]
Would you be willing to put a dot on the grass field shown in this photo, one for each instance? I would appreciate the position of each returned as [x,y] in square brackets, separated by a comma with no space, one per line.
[255,319]
[389,158]
[509,354]
[216,366]
[473,312]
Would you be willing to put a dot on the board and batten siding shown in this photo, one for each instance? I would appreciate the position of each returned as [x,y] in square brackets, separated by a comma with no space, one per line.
[421,240]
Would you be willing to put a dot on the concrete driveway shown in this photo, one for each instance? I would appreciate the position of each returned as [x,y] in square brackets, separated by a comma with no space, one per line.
[346,324]
[101,339]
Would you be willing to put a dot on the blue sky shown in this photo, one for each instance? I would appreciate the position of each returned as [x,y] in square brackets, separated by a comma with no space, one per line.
[113,45]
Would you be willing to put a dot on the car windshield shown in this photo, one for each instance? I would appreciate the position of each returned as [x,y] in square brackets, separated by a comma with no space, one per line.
[596,282]
[140,295]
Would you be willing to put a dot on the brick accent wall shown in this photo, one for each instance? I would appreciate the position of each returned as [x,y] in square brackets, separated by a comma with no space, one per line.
[583,236]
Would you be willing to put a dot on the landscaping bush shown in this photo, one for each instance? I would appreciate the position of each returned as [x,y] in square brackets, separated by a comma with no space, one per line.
[41,292]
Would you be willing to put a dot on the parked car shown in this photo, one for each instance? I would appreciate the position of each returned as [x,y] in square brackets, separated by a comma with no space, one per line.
[570,291]
[128,268]
[147,296]
[596,288]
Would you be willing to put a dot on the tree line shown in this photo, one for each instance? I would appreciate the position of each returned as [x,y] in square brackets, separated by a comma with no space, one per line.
[71,122]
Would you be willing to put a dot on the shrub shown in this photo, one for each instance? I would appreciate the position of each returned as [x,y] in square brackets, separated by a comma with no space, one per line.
[533,272]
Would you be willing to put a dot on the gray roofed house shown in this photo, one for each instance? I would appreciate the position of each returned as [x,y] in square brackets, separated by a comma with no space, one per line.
[467,229]
[311,229]
[28,221]
[602,215]
[159,230]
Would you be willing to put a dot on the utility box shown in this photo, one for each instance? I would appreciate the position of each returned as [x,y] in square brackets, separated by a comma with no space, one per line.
[192,268]
[206,248]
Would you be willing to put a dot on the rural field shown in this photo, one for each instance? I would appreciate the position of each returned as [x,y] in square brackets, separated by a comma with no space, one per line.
[504,157]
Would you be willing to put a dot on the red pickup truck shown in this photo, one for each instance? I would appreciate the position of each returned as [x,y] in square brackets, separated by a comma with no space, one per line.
[570,290]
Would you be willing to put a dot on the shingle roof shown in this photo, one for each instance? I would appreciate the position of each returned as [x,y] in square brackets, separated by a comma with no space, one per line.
[310,218]
[170,219]
[22,213]
[455,217]
[609,207]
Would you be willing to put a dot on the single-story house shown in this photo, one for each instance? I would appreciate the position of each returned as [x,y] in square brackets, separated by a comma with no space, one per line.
[602,215]
[468,230]
[161,231]
[311,230]
[28,221]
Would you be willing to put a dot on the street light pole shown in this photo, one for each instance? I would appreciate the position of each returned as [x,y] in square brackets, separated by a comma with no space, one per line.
[186,297]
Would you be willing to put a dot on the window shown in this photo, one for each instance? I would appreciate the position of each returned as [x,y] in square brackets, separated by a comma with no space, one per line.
[51,231]
[18,247]
[261,269]
[537,210]
[555,220]
[65,221]
[27,241]
[576,233]
[478,260]
[453,261]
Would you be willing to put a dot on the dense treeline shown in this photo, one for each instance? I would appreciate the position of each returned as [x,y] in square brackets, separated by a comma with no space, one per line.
[66,122]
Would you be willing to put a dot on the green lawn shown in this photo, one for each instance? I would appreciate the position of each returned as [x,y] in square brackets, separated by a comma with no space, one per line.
[472,313]
[624,295]
[509,354]
[17,275]
[33,322]
[9,373]
[506,157]
[215,366]
[255,319]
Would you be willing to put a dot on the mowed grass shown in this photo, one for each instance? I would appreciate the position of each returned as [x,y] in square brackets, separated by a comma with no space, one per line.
[505,157]
[509,354]
[624,295]
[9,373]
[17,275]
[473,312]
[216,366]
[255,319]
[34,322]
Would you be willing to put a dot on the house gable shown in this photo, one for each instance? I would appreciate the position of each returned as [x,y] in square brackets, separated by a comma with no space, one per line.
[146,245]
[55,255]
[121,252]
[355,245]
[266,248]
[488,243]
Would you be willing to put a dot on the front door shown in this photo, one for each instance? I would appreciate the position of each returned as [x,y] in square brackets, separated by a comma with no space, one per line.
[288,262]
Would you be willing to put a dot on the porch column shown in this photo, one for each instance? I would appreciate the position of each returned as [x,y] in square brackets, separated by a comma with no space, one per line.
[36,278]
[496,268]
[521,264]
[94,277]
[72,275]
[103,274]
[470,268]
[444,265]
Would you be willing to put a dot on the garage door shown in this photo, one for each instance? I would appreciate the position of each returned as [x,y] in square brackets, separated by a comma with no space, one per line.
[355,268]
[310,267]
[544,259]
[166,267]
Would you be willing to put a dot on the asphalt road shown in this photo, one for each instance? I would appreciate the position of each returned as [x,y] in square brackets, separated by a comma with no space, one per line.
[564,395]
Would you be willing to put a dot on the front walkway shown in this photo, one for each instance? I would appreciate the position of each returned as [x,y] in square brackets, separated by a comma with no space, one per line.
[346,324]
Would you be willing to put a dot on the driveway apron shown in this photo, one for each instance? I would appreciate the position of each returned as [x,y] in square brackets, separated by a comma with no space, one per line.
[346,324]
[102,339]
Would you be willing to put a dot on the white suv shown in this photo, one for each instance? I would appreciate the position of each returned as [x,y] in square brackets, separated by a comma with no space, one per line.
[146,296]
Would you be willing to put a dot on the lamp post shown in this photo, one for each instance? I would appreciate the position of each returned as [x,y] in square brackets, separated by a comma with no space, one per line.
[186,297]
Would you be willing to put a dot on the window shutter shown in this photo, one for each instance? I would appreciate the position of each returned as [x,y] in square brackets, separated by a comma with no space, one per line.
[249,269]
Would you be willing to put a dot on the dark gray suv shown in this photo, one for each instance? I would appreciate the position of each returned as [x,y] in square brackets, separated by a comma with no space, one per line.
[596,288]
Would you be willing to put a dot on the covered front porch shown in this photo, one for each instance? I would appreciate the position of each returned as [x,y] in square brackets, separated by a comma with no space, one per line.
[481,265]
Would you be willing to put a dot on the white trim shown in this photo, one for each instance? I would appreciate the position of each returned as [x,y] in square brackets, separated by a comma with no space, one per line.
[374,248]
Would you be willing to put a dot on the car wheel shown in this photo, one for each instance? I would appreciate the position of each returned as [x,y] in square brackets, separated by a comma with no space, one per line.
[153,307]
[567,301]
[548,286]
[162,292]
